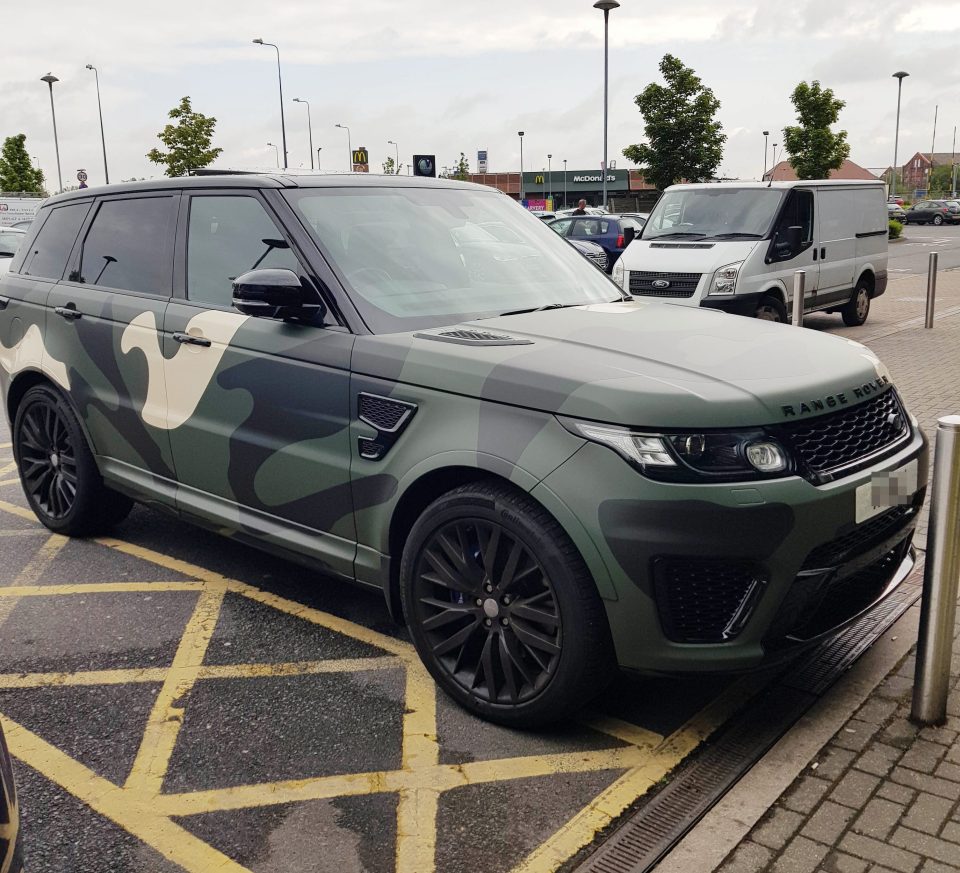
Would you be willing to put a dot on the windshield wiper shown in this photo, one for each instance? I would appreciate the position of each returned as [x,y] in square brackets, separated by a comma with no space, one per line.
[538,309]
[675,235]
[736,236]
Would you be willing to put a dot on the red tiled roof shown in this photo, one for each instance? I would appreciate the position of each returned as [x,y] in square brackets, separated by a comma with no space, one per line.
[784,172]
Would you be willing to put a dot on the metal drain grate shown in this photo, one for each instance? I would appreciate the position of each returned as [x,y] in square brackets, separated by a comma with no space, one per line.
[648,835]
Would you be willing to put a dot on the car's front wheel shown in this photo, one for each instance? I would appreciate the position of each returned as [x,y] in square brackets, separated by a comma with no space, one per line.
[502,609]
[938,220]
[57,469]
[772,309]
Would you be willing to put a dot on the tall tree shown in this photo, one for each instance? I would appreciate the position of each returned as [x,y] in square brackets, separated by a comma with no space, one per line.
[461,169]
[17,173]
[188,141]
[814,149]
[684,139]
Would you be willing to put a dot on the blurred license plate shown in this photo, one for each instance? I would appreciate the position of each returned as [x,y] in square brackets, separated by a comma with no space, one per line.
[892,488]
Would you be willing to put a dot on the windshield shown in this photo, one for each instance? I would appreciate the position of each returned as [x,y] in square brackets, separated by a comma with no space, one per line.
[714,213]
[422,257]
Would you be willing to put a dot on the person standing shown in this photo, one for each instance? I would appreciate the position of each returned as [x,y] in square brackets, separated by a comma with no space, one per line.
[581,208]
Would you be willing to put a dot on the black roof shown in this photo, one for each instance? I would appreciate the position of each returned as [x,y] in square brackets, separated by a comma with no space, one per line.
[235,179]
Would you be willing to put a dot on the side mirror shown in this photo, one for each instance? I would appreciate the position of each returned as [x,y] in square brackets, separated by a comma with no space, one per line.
[271,293]
[795,239]
[629,234]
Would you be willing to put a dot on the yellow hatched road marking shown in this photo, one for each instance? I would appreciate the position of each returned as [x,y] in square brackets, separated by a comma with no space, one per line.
[20,532]
[6,445]
[163,726]
[32,572]
[20,511]
[96,588]
[9,482]
[9,468]
[132,810]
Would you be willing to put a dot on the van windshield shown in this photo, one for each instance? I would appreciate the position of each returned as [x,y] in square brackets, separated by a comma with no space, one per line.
[714,213]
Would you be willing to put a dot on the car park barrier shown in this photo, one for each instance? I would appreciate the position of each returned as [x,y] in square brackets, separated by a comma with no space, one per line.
[941,578]
[931,288]
[799,284]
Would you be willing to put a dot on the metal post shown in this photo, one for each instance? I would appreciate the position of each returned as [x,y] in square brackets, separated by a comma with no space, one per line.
[799,284]
[941,577]
[900,76]
[931,288]
[103,139]
[522,192]
[50,79]
[606,43]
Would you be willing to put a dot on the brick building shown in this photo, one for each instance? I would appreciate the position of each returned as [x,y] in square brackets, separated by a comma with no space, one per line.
[916,171]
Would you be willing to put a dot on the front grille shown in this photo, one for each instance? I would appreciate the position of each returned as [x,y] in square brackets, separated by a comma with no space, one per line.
[599,258]
[681,284]
[841,439]
[864,536]
[704,600]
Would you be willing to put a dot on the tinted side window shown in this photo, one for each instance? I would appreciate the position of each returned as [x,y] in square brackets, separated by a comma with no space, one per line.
[798,211]
[127,246]
[48,255]
[229,236]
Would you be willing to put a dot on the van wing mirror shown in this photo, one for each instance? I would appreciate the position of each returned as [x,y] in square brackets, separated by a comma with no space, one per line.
[272,293]
[629,234]
[795,239]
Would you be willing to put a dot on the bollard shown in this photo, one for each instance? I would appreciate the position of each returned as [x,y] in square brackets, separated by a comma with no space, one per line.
[941,577]
[799,282]
[931,288]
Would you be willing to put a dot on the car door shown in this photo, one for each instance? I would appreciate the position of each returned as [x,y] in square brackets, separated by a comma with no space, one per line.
[838,223]
[103,321]
[799,210]
[258,408]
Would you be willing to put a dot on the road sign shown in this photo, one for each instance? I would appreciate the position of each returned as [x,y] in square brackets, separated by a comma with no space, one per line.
[424,165]
[482,161]
[82,178]
[361,160]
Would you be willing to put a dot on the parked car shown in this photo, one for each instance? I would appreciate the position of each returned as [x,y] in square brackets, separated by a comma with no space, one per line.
[546,478]
[608,231]
[737,247]
[544,216]
[898,200]
[10,240]
[590,210]
[639,217]
[591,251]
[896,212]
[11,835]
[932,212]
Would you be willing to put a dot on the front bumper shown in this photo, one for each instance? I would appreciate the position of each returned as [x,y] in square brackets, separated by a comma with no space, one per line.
[768,566]
[735,304]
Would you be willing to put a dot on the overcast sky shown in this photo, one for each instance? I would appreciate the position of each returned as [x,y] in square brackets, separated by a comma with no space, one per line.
[449,77]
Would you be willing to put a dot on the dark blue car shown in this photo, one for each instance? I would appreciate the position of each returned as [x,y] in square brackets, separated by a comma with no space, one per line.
[607,231]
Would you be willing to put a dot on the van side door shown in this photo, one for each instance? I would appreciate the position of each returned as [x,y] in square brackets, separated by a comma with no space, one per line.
[839,222]
[259,407]
[103,322]
[799,210]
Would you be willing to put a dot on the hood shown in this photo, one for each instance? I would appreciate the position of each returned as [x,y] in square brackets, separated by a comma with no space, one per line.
[687,256]
[643,364]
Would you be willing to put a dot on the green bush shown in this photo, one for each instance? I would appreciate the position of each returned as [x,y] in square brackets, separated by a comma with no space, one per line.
[896,228]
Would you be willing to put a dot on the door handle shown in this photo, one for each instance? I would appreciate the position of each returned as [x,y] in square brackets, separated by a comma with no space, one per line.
[4,302]
[67,312]
[814,252]
[189,339]
[823,252]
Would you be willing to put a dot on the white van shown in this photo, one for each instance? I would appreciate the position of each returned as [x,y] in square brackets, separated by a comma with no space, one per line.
[737,246]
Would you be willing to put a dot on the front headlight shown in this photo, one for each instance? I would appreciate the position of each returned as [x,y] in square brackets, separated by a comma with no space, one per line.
[725,279]
[692,457]
[619,274]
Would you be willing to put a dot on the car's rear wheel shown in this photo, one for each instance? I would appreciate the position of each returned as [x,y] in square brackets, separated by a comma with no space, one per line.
[856,311]
[772,309]
[938,220]
[502,609]
[57,469]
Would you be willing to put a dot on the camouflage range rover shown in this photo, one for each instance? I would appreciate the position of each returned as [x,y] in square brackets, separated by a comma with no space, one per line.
[414,384]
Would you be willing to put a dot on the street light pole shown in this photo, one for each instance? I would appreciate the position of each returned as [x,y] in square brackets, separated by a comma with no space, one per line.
[564,183]
[900,76]
[283,123]
[318,156]
[550,174]
[103,140]
[396,165]
[349,146]
[522,192]
[606,6]
[50,79]
[309,127]
[277,150]
[766,139]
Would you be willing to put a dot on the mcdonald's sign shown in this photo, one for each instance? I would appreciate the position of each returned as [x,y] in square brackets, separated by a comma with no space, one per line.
[538,180]
[361,160]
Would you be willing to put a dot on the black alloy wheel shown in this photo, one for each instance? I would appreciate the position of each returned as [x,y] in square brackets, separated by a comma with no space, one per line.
[57,469]
[502,609]
[488,611]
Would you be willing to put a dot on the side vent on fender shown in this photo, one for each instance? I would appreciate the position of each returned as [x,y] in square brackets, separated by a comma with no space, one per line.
[474,338]
[388,417]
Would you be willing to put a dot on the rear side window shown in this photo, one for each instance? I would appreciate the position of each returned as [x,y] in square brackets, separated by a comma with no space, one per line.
[127,246]
[47,257]
[230,236]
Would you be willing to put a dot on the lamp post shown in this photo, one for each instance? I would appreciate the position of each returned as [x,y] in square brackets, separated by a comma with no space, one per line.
[283,123]
[349,146]
[899,76]
[606,6]
[309,127]
[277,150]
[564,183]
[50,79]
[318,156]
[396,165]
[522,192]
[550,174]
[766,139]
[96,76]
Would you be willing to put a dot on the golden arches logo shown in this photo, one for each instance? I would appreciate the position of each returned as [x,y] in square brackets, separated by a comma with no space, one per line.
[539,179]
[360,156]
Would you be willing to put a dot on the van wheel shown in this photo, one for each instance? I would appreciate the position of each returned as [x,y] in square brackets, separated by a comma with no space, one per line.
[502,609]
[856,311]
[57,469]
[938,220]
[771,309]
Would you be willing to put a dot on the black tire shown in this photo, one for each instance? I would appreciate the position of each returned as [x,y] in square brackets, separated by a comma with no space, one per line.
[856,311]
[57,470]
[938,220]
[502,609]
[772,309]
